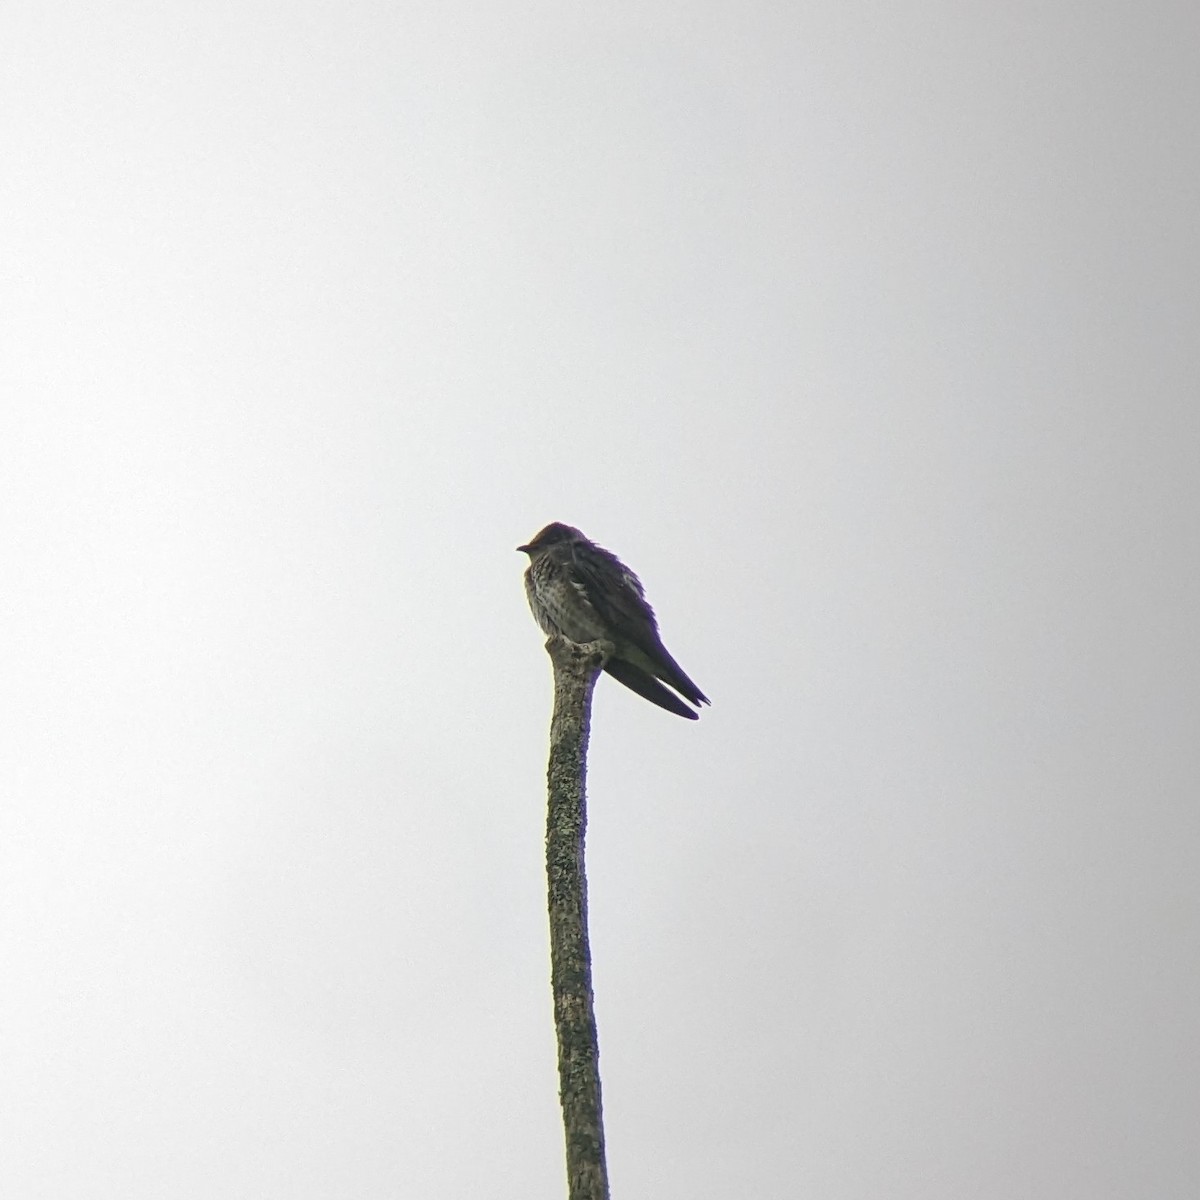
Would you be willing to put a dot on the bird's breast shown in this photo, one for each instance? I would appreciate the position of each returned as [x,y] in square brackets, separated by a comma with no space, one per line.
[561,607]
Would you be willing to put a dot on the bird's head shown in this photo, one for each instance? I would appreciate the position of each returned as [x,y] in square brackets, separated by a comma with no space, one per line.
[553,534]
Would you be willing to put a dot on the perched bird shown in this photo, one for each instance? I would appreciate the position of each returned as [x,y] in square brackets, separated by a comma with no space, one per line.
[585,593]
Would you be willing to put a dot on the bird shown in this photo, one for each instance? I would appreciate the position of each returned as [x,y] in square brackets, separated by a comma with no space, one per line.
[584,593]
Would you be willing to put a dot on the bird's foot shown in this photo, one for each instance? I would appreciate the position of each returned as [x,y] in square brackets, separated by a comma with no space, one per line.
[595,654]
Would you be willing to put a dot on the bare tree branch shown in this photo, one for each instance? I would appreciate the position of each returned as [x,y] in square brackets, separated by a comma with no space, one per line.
[575,671]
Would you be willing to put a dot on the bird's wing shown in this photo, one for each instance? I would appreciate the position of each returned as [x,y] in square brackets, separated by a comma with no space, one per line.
[616,593]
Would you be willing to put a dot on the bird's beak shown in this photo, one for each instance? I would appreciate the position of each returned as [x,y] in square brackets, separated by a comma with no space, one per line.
[523,549]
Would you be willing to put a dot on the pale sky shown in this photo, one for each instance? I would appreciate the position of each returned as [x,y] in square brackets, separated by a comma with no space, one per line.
[866,333]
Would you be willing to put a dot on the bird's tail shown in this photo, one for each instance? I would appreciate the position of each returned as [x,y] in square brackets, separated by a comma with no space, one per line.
[648,687]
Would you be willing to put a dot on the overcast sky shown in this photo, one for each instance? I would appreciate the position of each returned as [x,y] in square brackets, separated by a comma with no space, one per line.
[866,333]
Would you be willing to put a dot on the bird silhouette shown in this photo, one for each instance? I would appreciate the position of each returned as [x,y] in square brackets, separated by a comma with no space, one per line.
[585,593]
